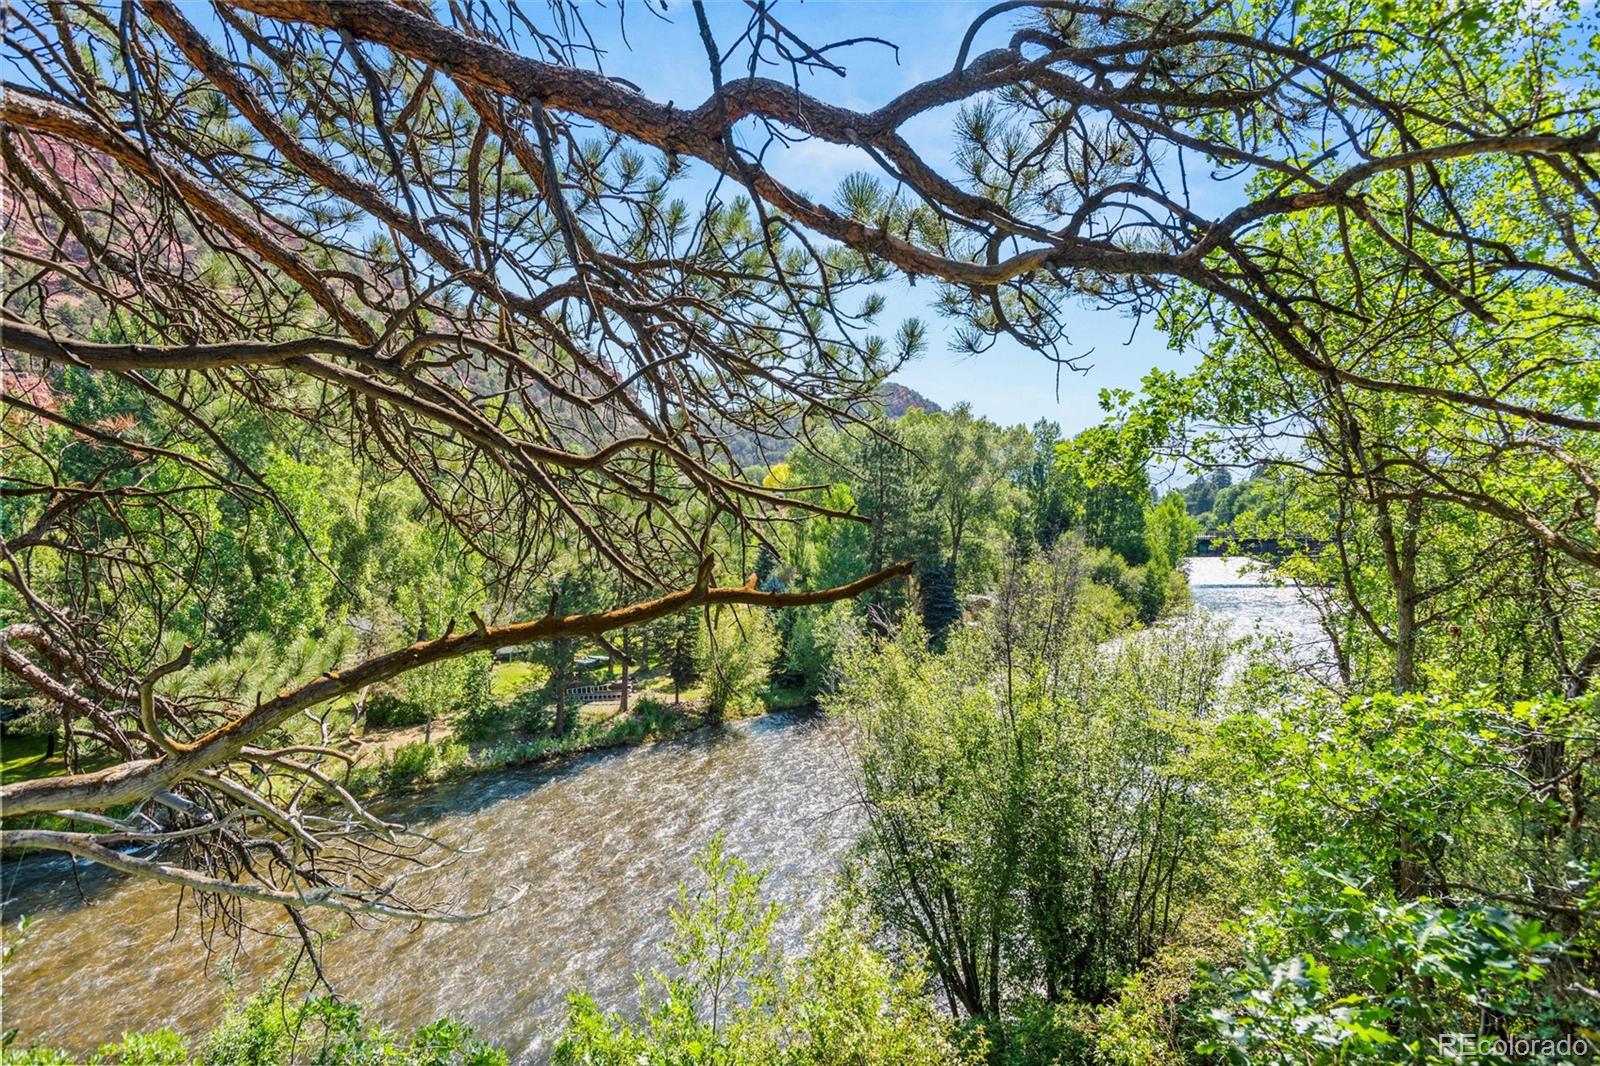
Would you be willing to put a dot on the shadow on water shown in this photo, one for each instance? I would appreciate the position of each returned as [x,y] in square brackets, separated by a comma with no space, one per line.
[422,808]
[41,885]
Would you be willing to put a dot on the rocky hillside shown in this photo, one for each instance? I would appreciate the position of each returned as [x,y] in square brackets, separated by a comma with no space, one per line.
[750,449]
[897,399]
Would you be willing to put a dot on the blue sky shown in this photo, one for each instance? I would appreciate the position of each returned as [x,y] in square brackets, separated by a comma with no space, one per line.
[665,58]
[663,55]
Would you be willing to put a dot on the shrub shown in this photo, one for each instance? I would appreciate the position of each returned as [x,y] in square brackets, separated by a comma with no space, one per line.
[1155,1019]
[1111,570]
[484,724]
[1038,1031]
[160,1048]
[163,1047]
[477,684]
[737,998]
[457,686]
[816,637]
[452,754]
[650,716]
[363,781]
[528,712]
[1425,880]
[410,764]
[995,800]
[1152,581]
[656,715]
[1390,975]
[514,754]
[385,710]
[271,1028]
[531,711]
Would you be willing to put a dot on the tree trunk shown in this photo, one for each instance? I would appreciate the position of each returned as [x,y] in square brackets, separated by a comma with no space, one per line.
[1405,640]
[563,713]
[1400,558]
[622,704]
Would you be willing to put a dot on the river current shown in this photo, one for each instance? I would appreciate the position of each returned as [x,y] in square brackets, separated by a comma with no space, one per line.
[598,845]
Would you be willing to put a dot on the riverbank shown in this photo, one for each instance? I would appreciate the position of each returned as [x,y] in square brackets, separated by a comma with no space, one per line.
[409,759]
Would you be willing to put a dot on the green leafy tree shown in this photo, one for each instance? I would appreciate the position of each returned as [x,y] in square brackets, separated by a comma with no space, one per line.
[1419,879]
[1400,266]
[736,650]
[941,609]
[279,1025]
[818,640]
[873,471]
[1395,982]
[577,590]
[1054,492]
[969,467]
[1045,749]
[1200,495]
[1169,531]
[1116,489]
[682,666]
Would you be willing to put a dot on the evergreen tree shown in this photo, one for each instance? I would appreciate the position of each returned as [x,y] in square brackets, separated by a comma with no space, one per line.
[940,609]
[681,665]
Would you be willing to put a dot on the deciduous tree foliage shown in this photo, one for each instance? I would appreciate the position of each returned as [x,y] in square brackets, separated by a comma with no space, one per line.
[1034,824]
[441,241]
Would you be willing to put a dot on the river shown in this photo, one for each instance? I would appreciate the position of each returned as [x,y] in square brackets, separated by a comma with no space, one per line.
[1242,592]
[599,842]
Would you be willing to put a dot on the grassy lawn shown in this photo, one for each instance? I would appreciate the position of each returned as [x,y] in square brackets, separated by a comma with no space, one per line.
[508,679]
[659,687]
[22,759]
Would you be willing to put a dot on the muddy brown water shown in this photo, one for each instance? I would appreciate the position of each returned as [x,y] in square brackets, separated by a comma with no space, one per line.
[600,844]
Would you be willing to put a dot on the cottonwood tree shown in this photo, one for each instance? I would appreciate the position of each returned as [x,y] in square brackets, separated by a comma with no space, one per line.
[444,240]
